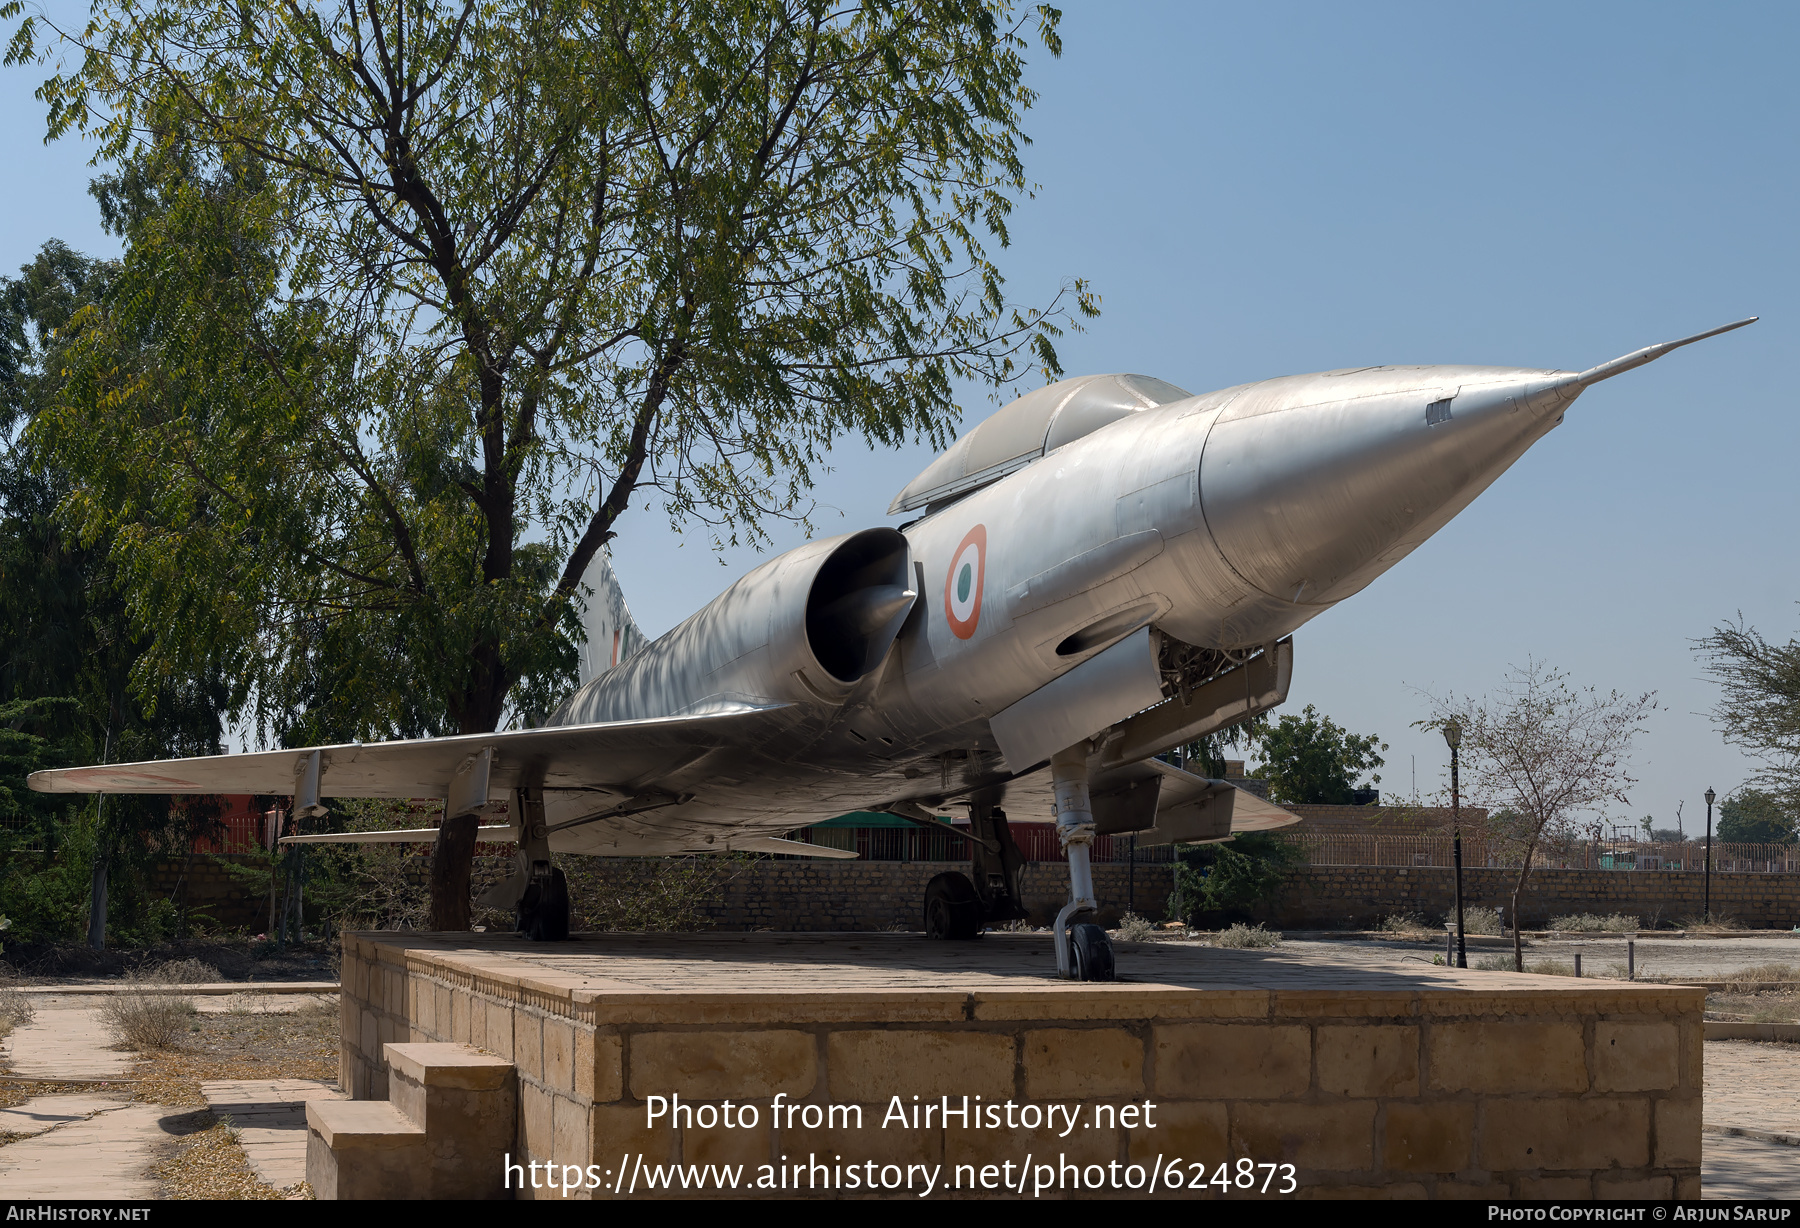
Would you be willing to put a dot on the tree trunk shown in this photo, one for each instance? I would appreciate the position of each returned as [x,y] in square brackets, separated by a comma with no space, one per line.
[96,935]
[1518,889]
[452,859]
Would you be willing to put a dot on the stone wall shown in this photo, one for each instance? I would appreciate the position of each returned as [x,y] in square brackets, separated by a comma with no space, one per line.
[1452,1088]
[1358,897]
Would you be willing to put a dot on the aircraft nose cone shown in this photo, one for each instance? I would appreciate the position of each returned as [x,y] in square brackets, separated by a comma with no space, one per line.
[1310,493]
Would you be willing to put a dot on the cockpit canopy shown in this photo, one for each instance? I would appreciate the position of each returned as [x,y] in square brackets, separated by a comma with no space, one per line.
[1024,430]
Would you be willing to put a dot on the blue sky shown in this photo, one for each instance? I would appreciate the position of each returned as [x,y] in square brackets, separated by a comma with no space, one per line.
[1257,190]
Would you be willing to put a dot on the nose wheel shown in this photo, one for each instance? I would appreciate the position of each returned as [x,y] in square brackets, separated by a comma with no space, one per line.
[1091,952]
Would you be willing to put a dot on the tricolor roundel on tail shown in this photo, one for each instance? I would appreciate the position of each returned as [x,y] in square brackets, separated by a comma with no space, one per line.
[962,586]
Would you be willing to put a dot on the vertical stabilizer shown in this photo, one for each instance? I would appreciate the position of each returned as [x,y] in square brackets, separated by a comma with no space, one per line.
[612,634]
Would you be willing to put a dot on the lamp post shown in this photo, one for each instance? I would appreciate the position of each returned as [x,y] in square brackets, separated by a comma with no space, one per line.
[1708,907]
[1453,735]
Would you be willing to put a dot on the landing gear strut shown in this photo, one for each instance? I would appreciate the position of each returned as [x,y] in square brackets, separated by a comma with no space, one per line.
[1086,953]
[959,906]
[536,891]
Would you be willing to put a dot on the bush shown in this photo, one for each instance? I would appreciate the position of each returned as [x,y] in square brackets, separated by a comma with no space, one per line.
[1253,936]
[1403,923]
[1213,878]
[667,895]
[148,1013]
[1481,921]
[1590,923]
[1504,963]
[1711,921]
[189,972]
[1133,928]
[16,1009]
[1762,974]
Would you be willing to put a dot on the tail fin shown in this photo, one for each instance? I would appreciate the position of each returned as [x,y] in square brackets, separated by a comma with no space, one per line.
[612,633]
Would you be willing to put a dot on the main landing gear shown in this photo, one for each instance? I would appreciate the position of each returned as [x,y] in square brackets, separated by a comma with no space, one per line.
[959,906]
[536,891]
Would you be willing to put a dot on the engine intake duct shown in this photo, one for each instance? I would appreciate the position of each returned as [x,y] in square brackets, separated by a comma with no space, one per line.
[858,602]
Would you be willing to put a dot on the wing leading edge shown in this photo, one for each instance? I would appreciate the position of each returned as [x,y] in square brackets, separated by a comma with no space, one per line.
[595,756]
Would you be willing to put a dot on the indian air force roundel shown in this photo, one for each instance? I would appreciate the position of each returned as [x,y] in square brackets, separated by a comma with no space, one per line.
[962,587]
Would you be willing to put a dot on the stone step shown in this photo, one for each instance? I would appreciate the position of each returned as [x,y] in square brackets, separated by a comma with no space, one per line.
[451,1112]
[364,1149]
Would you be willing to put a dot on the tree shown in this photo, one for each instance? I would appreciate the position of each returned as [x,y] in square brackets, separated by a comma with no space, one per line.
[67,644]
[1311,759]
[1759,703]
[439,290]
[1227,876]
[1538,752]
[1752,816]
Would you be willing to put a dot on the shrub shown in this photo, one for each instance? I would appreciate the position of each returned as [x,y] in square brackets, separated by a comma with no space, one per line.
[1589,923]
[188,972]
[1133,928]
[148,1013]
[16,1009]
[1711,921]
[1481,920]
[1247,936]
[1211,878]
[1403,923]
[1544,967]
[1762,974]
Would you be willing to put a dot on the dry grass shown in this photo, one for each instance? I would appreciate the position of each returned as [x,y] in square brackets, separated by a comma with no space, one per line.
[1593,923]
[16,1009]
[149,1013]
[1744,979]
[1715,922]
[188,972]
[1735,1005]
[1407,924]
[302,1044]
[210,1165]
[1247,936]
[1133,928]
[1543,967]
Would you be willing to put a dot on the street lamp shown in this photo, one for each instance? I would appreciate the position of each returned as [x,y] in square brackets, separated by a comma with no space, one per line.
[1709,801]
[1453,735]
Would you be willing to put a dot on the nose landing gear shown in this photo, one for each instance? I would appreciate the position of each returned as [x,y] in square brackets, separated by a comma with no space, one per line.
[1083,952]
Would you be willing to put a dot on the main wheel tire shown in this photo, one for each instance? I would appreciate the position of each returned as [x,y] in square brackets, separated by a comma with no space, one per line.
[544,909]
[1093,953]
[952,908]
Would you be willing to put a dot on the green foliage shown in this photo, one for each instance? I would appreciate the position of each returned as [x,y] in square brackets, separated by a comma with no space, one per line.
[1759,702]
[67,650]
[664,895]
[417,300]
[1207,754]
[1213,878]
[1753,816]
[1310,758]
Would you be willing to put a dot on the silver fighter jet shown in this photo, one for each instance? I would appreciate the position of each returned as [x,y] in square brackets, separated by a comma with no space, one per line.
[1103,570]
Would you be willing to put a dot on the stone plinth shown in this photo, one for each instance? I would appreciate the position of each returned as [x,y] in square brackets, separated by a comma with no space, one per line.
[1397,1080]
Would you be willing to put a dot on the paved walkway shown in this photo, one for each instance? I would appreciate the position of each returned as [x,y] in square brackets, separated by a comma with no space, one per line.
[1748,1168]
[1753,1089]
[66,1040]
[270,1115]
[80,1147]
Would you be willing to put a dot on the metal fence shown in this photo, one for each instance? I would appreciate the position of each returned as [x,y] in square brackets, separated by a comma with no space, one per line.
[1335,849]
